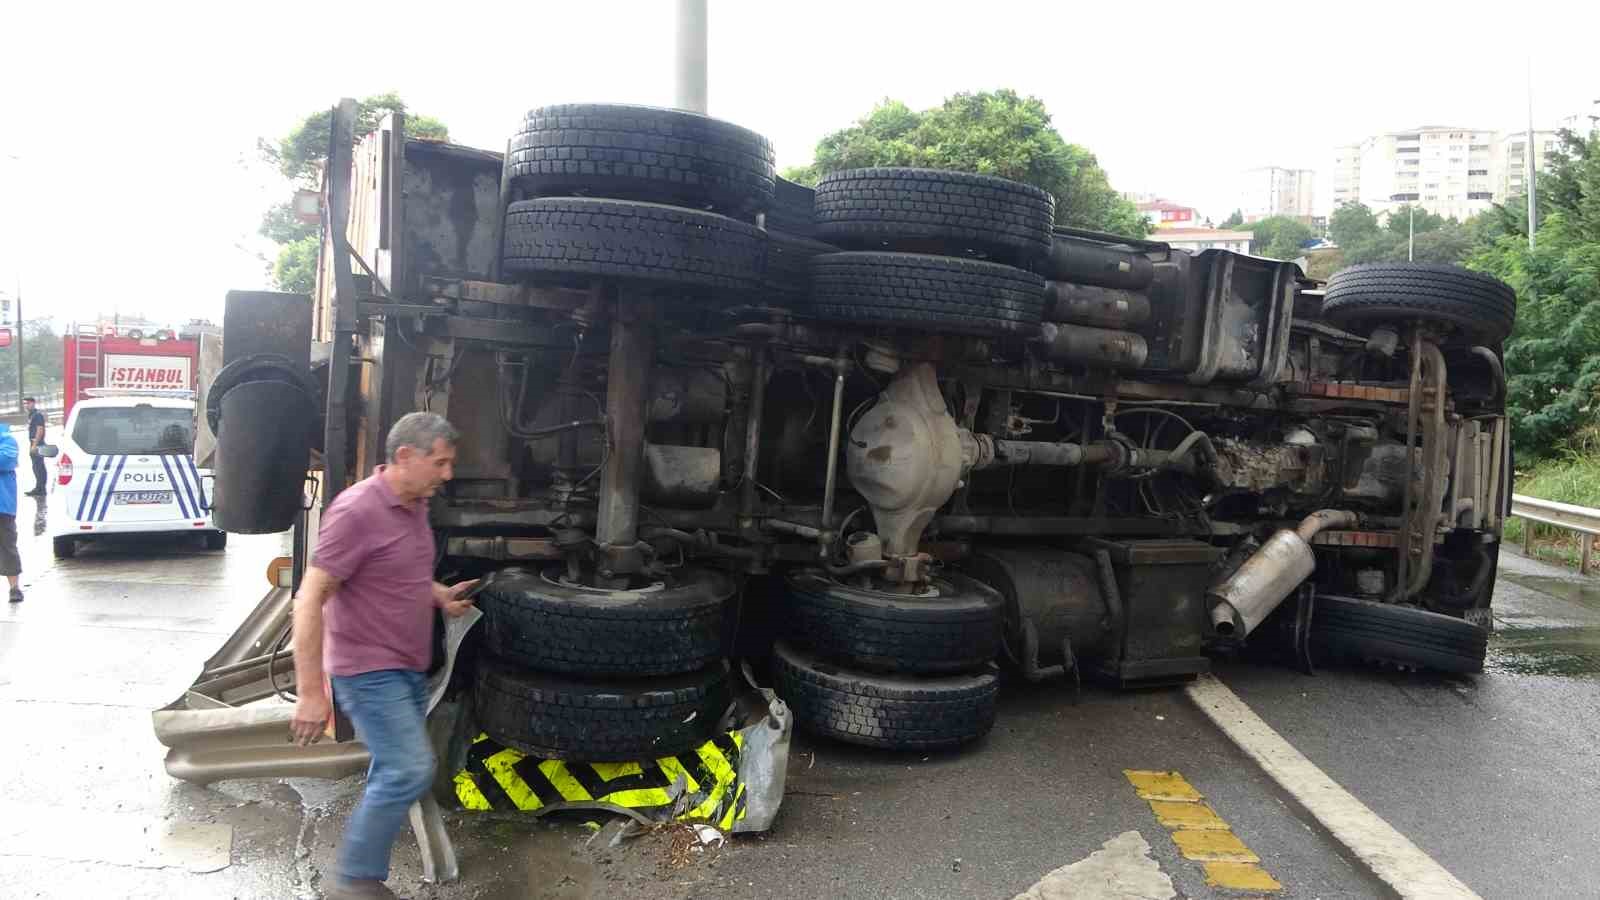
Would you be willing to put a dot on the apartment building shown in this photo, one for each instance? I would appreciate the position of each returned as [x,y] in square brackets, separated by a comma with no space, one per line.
[1513,161]
[1275,191]
[1451,170]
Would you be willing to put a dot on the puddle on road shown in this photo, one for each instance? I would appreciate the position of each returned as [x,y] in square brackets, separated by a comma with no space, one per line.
[1545,651]
[1539,644]
[1582,592]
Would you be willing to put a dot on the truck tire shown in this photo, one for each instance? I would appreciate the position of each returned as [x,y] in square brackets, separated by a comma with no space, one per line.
[642,153]
[1481,309]
[788,269]
[537,621]
[956,628]
[1364,630]
[574,239]
[554,717]
[936,211]
[791,209]
[926,293]
[886,711]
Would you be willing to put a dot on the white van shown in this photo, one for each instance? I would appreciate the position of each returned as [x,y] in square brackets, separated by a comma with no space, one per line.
[126,465]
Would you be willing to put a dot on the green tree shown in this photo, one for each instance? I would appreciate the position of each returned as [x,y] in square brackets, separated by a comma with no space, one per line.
[280,225]
[806,175]
[1406,218]
[1553,357]
[1278,237]
[1359,235]
[991,133]
[298,156]
[1234,220]
[41,360]
[1362,239]
[298,153]
[1450,243]
[295,269]
[1352,223]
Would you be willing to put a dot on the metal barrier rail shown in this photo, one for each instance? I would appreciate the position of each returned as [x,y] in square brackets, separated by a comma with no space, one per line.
[1581,519]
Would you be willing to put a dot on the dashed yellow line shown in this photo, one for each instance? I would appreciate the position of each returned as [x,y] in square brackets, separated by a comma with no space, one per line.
[1192,815]
[1168,786]
[1200,834]
[1240,877]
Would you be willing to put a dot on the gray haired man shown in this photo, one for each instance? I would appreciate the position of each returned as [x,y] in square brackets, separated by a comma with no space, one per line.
[364,616]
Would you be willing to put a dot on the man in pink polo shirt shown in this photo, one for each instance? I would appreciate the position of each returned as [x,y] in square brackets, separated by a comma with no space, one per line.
[364,616]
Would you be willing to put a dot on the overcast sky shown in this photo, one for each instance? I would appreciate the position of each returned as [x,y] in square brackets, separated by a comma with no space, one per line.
[128,171]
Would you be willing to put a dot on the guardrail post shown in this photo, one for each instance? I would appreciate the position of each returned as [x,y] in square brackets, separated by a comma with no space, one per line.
[1587,540]
[1527,537]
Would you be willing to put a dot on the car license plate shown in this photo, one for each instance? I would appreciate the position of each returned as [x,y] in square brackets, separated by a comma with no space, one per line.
[124,498]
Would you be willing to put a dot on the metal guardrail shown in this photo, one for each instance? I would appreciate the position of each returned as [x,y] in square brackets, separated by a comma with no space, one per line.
[1581,519]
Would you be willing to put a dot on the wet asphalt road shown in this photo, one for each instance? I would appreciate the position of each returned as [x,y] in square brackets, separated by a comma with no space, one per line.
[1493,776]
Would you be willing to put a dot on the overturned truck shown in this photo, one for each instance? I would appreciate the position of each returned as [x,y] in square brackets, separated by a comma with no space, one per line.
[887,435]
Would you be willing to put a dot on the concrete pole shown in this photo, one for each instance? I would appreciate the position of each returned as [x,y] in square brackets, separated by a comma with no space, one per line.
[691,57]
[1411,234]
[1533,202]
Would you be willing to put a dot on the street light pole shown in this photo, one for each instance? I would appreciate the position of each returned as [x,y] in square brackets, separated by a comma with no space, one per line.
[1411,234]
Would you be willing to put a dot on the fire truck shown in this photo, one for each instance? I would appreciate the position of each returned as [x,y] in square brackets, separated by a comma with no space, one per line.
[121,358]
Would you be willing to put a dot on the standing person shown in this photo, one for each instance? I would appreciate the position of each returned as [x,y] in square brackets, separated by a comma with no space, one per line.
[10,559]
[35,438]
[364,615]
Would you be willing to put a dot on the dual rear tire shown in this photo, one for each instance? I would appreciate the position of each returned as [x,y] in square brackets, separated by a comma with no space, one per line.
[891,671]
[570,672]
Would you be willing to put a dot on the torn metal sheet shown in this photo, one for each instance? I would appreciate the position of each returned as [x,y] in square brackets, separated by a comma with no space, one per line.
[734,781]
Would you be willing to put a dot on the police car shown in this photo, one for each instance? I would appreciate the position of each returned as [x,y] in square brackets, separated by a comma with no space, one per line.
[125,465]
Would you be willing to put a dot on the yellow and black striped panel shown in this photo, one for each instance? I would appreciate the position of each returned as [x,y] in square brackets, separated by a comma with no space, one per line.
[506,780]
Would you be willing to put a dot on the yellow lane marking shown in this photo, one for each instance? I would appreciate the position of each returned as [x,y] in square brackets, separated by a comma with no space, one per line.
[1194,816]
[1213,846]
[1233,876]
[1199,833]
[1161,786]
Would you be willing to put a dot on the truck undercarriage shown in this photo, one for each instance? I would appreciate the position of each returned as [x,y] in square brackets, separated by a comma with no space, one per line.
[887,434]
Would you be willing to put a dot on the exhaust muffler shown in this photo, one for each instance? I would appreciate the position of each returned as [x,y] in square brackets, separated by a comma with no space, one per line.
[1244,599]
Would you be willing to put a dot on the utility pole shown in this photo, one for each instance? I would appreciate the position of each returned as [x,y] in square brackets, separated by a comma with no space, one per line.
[1533,201]
[19,344]
[1411,234]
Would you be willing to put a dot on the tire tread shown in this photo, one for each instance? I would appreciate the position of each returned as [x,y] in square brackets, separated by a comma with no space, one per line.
[892,714]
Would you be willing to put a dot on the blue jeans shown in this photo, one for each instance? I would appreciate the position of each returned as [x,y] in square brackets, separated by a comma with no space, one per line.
[388,708]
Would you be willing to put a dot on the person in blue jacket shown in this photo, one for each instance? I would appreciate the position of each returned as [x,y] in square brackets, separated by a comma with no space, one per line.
[10,559]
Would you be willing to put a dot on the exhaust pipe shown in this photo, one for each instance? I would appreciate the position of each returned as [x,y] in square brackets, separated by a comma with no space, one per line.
[1249,595]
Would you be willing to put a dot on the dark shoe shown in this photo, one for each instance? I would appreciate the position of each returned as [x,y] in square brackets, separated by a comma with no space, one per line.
[36,492]
[16,595]
[359,890]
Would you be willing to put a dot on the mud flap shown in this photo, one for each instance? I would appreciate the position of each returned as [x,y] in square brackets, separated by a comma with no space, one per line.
[734,781]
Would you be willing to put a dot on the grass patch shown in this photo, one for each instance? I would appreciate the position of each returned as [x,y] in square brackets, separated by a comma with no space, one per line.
[1574,479]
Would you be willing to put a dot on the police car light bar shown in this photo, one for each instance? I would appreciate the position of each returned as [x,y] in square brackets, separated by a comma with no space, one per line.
[173,393]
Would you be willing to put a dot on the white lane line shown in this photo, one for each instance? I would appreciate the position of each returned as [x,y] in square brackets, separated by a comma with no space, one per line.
[1388,853]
